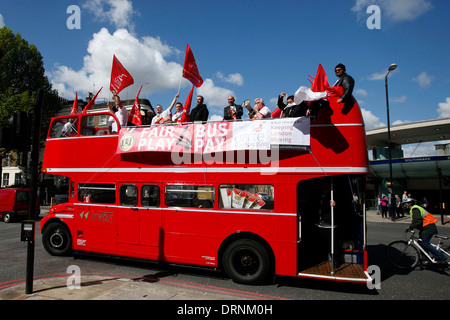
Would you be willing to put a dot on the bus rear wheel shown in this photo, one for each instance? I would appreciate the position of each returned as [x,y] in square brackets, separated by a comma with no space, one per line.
[57,239]
[246,261]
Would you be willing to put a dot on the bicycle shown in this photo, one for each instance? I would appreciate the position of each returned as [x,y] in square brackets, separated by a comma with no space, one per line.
[407,254]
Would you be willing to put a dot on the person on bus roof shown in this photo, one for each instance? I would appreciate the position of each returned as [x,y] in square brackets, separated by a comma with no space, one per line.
[121,113]
[291,109]
[345,81]
[162,116]
[200,112]
[69,128]
[232,111]
[176,118]
[261,111]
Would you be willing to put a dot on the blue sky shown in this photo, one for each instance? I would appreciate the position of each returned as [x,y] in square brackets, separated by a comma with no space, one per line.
[247,48]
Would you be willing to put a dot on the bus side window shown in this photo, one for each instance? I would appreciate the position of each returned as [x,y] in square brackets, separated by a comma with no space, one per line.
[97,193]
[189,196]
[128,195]
[72,189]
[246,196]
[150,196]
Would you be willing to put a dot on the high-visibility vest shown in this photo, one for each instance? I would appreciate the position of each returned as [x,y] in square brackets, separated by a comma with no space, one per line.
[426,216]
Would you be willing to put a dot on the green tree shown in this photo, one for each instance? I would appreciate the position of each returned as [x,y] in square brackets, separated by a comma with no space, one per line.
[22,73]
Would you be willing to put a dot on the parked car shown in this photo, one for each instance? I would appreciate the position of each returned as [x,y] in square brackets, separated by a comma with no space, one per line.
[15,202]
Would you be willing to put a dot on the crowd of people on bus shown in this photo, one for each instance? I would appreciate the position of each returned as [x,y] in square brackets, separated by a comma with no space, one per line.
[260,111]
[200,113]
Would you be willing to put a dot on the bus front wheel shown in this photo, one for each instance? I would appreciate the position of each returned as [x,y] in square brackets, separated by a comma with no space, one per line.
[246,261]
[57,239]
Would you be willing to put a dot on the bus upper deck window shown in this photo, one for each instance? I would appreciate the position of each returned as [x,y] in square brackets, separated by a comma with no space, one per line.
[99,124]
[64,127]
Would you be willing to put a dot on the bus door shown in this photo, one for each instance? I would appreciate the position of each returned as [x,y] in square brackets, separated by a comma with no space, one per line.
[150,229]
[331,215]
[128,214]
[139,219]
[95,217]
[315,215]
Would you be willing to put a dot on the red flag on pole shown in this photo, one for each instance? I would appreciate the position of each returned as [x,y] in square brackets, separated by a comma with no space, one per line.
[187,107]
[190,70]
[75,105]
[135,113]
[91,103]
[120,78]
[320,83]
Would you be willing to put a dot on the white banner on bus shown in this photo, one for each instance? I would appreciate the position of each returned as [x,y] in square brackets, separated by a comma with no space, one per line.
[292,133]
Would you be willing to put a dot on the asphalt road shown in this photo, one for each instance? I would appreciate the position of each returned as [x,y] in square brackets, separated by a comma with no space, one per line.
[429,284]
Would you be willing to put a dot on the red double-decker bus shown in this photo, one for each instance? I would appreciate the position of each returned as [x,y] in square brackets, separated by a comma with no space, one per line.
[253,198]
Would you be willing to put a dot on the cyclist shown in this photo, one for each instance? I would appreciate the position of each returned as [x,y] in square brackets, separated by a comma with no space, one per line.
[423,221]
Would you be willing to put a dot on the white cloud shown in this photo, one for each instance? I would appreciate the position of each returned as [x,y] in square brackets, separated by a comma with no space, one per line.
[361,92]
[216,117]
[444,108]
[377,76]
[399,100]
[117,12]
[419,149]
[395,10]
[370,120]
[399,122]
[233,78]
[423,79]
[214,96]
[402,10]
[145,59]
[2,21]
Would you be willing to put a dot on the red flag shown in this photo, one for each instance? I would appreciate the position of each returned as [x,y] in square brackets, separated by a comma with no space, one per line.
[120,78]
[320,83]
[75,105]
[190,70]
[91,103]
[135,113]
[276,113]
[187,107]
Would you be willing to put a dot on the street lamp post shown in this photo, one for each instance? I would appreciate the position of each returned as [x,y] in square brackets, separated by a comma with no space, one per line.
[392,67]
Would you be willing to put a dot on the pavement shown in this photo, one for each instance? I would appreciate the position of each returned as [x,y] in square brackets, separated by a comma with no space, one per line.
[60,287]
[110,288]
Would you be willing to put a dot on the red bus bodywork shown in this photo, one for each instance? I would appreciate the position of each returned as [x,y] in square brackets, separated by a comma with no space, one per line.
[170,232]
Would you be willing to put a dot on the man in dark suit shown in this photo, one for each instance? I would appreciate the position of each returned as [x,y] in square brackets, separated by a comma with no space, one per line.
[292,110]
[232,111]
[200,112]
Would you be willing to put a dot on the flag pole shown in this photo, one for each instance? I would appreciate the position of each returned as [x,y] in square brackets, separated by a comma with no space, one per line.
[182,71]
[332,228]
[179,86]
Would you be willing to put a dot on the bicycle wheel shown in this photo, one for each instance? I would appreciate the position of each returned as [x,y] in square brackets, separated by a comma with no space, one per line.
[402,255]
